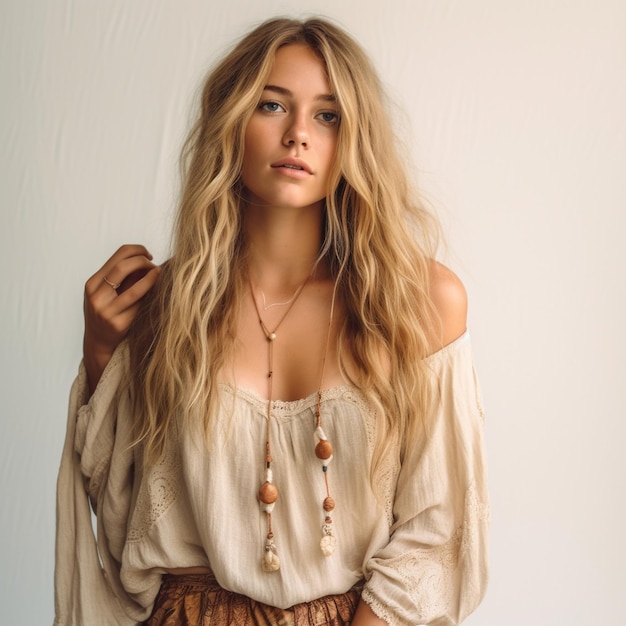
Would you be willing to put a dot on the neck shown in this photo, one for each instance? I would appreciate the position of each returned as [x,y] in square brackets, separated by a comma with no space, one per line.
[282,246]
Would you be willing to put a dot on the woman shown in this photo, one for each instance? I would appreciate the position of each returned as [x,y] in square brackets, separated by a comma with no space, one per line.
[281,424]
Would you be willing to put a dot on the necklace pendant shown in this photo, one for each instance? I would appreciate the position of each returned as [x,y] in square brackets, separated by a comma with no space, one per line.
[271,336]
[271,562]
[328,544]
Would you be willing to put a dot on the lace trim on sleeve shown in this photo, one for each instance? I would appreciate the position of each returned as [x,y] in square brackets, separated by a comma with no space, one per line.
[428,574]
[158,491]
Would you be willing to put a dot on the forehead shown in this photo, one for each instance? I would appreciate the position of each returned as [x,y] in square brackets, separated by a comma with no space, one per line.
[297,66]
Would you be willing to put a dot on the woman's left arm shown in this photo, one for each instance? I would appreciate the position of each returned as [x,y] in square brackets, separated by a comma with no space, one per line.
[434,568]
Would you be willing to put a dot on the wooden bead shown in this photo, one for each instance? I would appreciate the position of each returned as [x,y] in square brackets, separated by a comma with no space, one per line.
[324,450]
[329,504]
[268,493]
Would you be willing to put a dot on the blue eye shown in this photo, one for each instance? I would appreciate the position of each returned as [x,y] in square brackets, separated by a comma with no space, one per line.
[329,117]
[270,106]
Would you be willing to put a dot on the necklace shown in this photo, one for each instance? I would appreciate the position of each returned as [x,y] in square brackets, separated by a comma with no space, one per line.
[267,307]
[268,492]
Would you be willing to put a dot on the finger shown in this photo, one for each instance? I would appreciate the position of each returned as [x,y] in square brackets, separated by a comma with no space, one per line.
[117,274]
[124,252]
[108,324]
[133,294]
[125,268]
[121,323]
[131,279]
[105,303]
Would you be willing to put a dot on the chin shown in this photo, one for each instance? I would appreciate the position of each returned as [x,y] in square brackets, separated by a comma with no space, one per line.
[285,202]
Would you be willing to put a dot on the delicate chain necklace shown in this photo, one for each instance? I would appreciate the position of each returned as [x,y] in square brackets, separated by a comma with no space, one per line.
[268,492]
[267,307]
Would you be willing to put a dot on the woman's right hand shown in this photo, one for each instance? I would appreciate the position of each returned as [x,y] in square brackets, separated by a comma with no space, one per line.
[112,300]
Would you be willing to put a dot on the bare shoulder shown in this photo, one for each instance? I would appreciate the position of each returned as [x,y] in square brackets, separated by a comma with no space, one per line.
[449,297]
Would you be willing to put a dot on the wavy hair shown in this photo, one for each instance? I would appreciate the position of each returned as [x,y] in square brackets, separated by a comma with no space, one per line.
[379,243]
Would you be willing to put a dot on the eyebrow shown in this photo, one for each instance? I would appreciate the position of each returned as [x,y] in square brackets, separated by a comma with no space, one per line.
[286,92]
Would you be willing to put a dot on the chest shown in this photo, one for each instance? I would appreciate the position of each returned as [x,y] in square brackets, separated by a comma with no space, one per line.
[302,357]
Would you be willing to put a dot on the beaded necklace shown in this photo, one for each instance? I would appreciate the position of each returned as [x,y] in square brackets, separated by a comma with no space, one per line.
[268,492]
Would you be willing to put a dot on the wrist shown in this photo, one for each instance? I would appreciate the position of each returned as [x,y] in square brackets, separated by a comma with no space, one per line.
[95,358]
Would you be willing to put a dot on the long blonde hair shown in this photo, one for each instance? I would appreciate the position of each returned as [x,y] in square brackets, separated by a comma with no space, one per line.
[378,243]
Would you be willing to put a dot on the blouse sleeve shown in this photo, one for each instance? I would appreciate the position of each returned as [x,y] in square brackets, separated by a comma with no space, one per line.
[97,467]
[434,568]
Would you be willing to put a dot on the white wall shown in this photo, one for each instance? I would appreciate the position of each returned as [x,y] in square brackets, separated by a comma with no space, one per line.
[517,125]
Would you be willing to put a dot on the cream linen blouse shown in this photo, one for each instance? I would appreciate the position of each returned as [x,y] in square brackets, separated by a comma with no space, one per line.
[422,552]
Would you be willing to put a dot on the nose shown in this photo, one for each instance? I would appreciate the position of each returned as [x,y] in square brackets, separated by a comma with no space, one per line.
[297,133]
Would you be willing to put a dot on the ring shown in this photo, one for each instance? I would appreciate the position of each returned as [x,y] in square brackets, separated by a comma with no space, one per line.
[110,284]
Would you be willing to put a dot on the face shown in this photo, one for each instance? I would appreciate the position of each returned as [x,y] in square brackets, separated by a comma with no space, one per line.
[291,138]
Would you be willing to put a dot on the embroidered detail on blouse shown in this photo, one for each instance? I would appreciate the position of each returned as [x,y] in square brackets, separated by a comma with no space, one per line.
[389,466]
[162,489]
[387,477]
[289,408]
[427,573]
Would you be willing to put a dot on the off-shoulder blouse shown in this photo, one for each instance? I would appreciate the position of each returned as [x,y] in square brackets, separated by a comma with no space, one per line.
[419,551]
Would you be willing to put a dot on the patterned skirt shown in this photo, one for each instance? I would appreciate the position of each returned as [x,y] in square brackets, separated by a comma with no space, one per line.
[197,600]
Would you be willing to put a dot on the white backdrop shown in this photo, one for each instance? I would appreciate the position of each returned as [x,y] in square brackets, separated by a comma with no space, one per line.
[514,112]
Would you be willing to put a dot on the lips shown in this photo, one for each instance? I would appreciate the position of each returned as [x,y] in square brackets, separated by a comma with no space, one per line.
[291,163]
